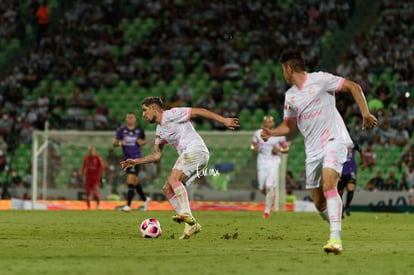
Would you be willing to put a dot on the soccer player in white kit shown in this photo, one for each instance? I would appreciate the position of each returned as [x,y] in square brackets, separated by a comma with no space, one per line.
[174,127]
[268,162]
[310,108]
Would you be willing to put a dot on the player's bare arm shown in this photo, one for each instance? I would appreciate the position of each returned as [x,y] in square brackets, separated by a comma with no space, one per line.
[141,141]
[117,142]
[155,156]
[286,127]
[369,120]
[230,122]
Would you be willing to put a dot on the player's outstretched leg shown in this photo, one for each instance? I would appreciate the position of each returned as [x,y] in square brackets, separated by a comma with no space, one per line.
[270,198]
[190,230]
[349,197]
[130,195]
[185,214]
[334,204]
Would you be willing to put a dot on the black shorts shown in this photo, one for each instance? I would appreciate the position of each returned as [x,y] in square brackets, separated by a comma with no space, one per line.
[133,170]
[345,179]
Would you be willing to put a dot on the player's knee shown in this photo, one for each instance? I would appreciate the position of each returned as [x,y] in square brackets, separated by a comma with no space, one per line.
[132,179]
[173,179]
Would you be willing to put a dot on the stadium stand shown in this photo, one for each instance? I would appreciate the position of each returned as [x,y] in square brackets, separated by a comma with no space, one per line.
[122,53]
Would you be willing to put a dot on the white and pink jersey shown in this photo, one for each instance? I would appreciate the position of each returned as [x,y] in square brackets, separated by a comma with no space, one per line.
[176,129]
[264,153]
[313,107]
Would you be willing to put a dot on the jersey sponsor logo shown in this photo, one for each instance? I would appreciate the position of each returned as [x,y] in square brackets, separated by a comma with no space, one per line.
[310,115]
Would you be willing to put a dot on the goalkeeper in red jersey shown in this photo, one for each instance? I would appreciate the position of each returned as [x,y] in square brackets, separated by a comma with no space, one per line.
[92,169]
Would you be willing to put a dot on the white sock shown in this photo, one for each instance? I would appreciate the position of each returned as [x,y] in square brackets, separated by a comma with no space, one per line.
[334,205]
[182,200]
[270,197]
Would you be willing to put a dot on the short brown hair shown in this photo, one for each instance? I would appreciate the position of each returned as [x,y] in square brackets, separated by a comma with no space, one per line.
[153,100]
[294,58]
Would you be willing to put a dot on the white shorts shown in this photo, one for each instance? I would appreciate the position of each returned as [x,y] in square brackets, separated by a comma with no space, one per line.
[268,174]
[192,164]
[333,157]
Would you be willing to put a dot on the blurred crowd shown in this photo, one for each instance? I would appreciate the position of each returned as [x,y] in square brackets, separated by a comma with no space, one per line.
[95,44]
[80,40]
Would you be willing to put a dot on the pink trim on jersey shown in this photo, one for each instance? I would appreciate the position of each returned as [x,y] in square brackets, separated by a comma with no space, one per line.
[171,195]
[162,117]
[304,82]
[331,193]
[341,83]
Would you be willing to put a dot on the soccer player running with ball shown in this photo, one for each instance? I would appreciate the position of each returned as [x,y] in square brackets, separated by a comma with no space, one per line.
[268,162]
[310,108]
[131,137]
[174,127]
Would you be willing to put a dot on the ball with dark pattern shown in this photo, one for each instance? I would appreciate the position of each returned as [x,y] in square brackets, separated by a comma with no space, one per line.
[150,228]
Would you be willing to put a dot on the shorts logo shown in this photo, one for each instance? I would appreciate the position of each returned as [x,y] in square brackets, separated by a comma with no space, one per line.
[203,172]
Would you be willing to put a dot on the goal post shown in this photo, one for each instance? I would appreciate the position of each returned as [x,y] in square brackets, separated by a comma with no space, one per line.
[57,153]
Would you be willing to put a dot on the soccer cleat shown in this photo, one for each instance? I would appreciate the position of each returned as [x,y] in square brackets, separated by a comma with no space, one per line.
[347,211]
[190,230]
[126,208]
[334,245]
[266,215]
[184,218]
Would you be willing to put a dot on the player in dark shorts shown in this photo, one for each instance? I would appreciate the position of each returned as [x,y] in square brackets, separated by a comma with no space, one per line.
[348,177]
[131,137]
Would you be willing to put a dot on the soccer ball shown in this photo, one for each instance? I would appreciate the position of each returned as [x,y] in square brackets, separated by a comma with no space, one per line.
[150,228]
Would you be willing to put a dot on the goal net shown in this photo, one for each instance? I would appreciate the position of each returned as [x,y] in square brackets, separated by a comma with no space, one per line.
[57,160]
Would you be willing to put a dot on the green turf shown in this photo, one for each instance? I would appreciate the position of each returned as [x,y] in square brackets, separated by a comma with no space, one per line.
[108,242]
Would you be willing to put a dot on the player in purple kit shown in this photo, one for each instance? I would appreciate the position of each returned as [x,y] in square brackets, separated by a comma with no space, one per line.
[131,137]
[310,107]
[348,176]
[174,128]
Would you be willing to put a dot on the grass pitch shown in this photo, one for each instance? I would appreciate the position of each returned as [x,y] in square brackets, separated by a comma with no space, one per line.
[108,242]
